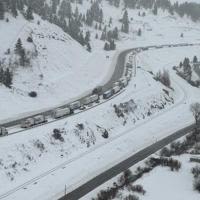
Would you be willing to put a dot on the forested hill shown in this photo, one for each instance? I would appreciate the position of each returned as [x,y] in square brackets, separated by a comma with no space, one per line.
[72,21]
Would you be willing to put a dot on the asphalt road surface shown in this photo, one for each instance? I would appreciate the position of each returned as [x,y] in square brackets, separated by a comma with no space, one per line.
[117,74]
[121,167]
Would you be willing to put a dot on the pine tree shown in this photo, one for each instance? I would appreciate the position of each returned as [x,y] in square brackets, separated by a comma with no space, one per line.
[2,11]
[18,46]
[125,22]
[139,32]
[89,47]
[195,60]
[155,9]
[29,14]
[8,78]
[1,75]
[20,5]
[22,59]
[106,47]
[13,7]
[87,37]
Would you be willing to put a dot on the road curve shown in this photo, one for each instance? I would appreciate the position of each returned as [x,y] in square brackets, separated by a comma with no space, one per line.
[122,166]
[119,70]
[117,74]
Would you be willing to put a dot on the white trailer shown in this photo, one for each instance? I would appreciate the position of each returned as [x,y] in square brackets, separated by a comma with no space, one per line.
[75,105]
[91,99]
[27,123]
[3,131]
[116,89]
[39,119]
[61,112]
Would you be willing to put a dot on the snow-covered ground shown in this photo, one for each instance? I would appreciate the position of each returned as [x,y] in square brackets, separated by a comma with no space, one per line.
[68,71]
[62,65]
[184,1]
[174,185]
[32,160]
[61,71]
[160,183]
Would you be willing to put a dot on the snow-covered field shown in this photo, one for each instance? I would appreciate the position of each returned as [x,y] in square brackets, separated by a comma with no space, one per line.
[62,65]
[64,70]
[32,160]
[175,185]
[184,1]
[61,71]
[160,183]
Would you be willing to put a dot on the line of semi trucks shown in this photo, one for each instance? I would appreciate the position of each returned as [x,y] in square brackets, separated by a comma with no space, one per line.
[95,97]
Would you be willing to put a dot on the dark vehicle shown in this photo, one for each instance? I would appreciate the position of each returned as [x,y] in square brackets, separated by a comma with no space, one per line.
[108,94]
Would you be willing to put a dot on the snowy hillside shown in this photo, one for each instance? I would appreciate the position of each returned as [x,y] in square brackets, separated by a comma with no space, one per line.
[64,54]
[58,68]
[59,65]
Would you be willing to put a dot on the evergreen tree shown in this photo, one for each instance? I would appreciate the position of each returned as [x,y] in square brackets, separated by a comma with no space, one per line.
[89,47]
[195,60]
[18,47]
[8,78]
[2,10]
[13,7]
[125,22]
[29,14]
[106,47]
[1,75]
[139,32]
[22,59]
[155,9]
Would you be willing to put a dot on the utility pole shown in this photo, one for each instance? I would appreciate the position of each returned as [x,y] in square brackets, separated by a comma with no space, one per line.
[65,190]
[135,64]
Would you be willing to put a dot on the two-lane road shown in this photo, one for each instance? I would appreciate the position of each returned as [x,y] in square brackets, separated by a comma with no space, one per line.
[122,166]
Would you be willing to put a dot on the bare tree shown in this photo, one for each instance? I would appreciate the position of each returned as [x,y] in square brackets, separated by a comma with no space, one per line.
[195,109]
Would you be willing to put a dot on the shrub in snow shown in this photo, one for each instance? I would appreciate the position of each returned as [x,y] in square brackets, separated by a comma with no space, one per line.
[38,144]
[196,171]
[110,193]
[32,94]
[196,148]
[105,134]
[138,188]
[197,184]
[57,135]
[165,152]
[29,39]
[168,162]
[164,78]
[80,126]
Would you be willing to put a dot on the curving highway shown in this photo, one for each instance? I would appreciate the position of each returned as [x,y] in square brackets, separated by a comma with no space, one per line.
[117,74]
[101,178]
